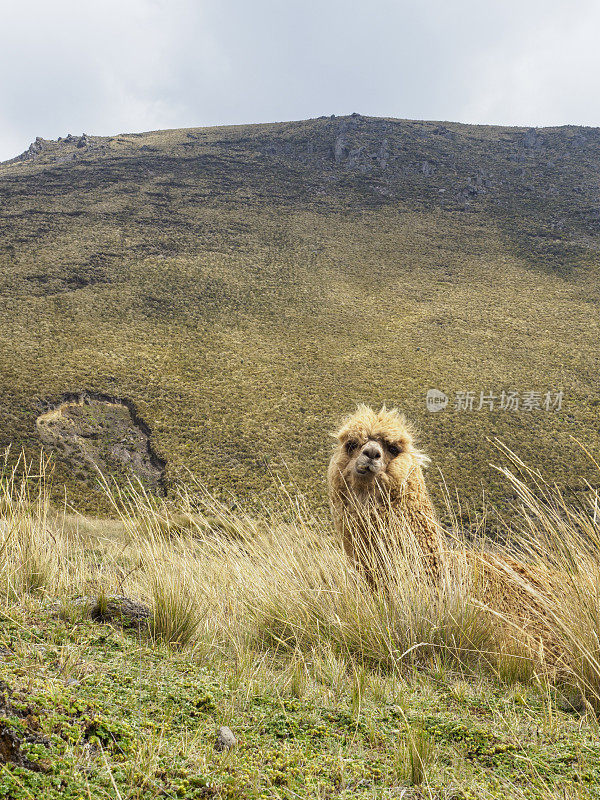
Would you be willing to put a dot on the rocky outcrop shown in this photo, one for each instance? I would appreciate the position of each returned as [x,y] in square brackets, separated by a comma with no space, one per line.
[340,145]
[532,140]
[34,149]
[383,154]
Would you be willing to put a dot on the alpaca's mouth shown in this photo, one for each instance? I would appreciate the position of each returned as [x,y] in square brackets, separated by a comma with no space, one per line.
[367,469]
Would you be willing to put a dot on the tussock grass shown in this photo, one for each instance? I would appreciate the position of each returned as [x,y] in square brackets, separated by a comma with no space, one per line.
[561,539]
[226,581]
[31,556]
[415,753]
[283,583]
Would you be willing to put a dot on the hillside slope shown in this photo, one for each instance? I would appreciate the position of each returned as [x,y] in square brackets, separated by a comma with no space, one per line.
[243,287]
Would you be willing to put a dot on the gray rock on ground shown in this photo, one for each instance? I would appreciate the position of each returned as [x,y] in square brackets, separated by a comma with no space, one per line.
[116,608]
[225,739]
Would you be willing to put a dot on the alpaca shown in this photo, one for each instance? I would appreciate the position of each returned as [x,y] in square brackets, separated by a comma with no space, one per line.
[376,484]
[378,496]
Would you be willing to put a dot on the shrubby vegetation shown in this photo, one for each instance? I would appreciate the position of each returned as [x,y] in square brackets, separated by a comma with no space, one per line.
[244,287]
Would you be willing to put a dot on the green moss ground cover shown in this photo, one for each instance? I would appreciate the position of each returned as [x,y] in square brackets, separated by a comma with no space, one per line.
[110,715]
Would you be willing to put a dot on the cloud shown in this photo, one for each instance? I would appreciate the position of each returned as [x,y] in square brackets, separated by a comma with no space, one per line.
[544,73]
[108,66]
[99,67]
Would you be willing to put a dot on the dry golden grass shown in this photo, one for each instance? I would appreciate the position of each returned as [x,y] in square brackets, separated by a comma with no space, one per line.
[562,541]
[224,581]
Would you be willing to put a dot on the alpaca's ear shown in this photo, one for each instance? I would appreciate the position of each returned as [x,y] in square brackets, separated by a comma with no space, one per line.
[421,458]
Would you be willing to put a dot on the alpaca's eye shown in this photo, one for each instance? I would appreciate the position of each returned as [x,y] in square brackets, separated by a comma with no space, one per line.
[394,450]
[351,446]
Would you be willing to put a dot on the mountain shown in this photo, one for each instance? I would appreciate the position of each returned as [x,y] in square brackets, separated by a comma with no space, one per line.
[214,299]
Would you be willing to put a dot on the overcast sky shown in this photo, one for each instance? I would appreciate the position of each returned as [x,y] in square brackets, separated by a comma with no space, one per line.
[110,66]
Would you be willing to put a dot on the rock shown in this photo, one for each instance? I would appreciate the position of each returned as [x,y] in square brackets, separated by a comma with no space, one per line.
[37,146]
[34,149]
[126,612]
[10,749]
[440,130]
[340,151]
[384,154]
[83,141]
[10,746]
[116,608]
[356,157]
[532,140]
[571,700]
[225,739]
[340,146]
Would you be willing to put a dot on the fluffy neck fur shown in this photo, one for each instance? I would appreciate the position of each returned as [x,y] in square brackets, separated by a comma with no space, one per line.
[362,512]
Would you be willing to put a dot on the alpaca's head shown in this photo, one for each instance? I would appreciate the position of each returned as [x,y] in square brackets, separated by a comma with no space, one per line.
[374,449]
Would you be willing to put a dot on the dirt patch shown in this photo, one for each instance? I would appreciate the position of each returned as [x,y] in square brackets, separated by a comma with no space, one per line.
[26,731]
[94,432]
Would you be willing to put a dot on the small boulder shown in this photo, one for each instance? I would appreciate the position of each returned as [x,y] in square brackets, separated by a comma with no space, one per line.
[225,739]
[116,608]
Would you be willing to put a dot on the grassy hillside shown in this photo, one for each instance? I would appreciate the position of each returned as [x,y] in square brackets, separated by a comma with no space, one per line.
[243,287]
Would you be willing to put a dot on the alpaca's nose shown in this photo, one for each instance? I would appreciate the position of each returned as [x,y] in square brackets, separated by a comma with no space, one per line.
[372,450]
